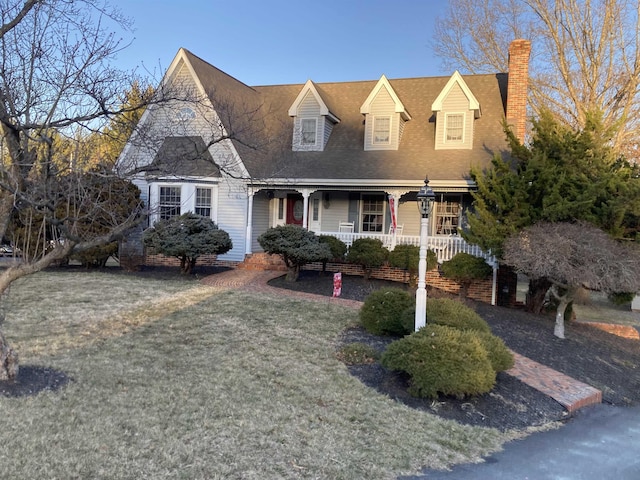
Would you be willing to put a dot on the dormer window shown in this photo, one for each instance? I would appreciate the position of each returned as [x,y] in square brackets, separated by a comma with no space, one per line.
[312,120]
[385,117]
[456,108]
[308,129]
[454,127]
[381,130]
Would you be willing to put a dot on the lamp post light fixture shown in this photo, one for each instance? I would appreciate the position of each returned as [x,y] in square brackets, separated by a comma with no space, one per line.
[426,198]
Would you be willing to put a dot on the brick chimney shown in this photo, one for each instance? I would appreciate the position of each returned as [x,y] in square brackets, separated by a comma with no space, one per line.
[519,52]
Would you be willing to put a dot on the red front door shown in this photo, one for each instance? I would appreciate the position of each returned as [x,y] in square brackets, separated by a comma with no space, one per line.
[295,208]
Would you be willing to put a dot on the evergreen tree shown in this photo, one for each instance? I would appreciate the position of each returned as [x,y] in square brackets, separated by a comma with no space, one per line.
[562,176]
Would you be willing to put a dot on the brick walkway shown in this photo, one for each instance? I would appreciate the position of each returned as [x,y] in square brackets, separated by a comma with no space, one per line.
[571,394]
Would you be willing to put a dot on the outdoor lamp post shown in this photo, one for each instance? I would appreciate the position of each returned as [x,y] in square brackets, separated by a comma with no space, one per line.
[425,202]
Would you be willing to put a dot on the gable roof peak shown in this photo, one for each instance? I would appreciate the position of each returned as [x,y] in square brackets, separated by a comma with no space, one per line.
[456,79]
[384,83]
[309,87]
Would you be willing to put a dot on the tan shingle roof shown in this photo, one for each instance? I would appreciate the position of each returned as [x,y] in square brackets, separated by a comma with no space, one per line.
[344,157]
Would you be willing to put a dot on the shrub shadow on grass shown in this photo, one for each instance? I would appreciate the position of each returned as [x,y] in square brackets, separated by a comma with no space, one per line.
[33,379]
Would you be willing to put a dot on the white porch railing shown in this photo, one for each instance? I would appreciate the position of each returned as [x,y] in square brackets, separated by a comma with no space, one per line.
[445,247]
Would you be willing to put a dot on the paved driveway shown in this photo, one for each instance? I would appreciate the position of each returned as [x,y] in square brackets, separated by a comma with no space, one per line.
[599,443]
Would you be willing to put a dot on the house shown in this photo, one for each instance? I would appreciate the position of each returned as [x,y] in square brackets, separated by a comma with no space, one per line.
[344,158]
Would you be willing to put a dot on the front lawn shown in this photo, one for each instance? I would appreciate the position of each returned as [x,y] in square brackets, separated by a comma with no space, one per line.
[172,379]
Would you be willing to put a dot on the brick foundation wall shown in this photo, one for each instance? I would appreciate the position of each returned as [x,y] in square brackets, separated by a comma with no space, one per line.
[480,291]
[157,260]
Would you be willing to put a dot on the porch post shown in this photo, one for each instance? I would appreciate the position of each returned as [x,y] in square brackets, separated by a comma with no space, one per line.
[305,208]
[249,232]
[394,203]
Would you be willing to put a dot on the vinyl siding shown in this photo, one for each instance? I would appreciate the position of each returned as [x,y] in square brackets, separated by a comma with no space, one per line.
[260,221]
[232,216]
[337,212]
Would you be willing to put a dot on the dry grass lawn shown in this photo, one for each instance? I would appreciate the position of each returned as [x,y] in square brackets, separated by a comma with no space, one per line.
[174,380]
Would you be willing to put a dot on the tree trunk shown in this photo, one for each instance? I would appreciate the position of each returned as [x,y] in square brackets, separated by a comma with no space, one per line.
[293,273]
[558,329]
[538,289]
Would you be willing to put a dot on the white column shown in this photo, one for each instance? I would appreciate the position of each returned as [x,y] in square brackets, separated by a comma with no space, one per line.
[421,292]
[305,208]
[249,232]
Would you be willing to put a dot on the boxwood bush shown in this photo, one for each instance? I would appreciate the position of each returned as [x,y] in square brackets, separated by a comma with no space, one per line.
[442,360]
[382,312]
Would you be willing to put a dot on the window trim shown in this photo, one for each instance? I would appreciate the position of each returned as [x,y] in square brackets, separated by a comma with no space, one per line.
[376,142]
[444,209]
[196,206]
[379,198]
[315,131]
[161,215]
[446,139]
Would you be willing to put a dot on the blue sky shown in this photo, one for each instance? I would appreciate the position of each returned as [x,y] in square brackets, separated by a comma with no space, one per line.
[265,42]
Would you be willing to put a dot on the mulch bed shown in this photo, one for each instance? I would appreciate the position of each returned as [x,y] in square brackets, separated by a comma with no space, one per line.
[607,362]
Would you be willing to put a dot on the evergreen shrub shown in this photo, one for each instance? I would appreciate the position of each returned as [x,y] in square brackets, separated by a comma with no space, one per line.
[444,311]
[382,312]
[499,355]
[442,360]
[369,253]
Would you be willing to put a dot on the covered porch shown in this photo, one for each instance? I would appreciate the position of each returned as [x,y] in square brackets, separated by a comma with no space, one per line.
[445,247]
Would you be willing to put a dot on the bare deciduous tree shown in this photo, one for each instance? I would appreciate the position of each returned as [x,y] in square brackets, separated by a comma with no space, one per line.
[573,256]
[55,79]
[585,54]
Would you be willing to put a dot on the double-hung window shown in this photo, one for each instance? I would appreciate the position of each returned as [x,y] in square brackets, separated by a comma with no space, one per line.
[203,202]
[381,130]
[308,131]
[169,202]
[454,128]
[448,212]
[372,213]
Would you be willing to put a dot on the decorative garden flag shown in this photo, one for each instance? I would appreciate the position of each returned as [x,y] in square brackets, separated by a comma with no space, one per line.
[394,216]
[337,284]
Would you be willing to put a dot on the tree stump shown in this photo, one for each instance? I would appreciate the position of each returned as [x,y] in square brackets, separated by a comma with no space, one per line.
[8,361]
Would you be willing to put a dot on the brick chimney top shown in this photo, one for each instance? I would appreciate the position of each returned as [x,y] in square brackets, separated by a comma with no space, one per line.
[517,89]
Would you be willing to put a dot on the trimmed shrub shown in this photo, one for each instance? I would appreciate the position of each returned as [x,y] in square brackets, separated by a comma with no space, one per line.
[338,249]
[444,311]
[499,355]
[357,353]
[337,246]
[442,360]
[369,253]
[465,269]
[187,237]
[296,245]
[407,258]
[382,312]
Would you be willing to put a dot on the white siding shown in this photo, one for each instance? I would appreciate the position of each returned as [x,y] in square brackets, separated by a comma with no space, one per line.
[232,217]
[456,102]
